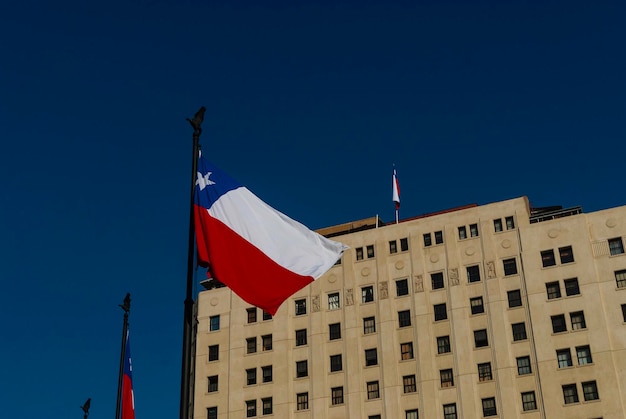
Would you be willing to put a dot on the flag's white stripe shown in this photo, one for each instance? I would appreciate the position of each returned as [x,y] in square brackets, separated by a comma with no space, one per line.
[286,241]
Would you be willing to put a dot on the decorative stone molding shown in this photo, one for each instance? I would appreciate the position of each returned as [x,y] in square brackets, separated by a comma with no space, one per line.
[315,303]
[399,265]
[419,283]
[434,258]
[470,251]
[611,222]
[553,234]
[506,243]
[349,297]
[383,290]
[454,276]
[365,271]
[491,269]
[332,278]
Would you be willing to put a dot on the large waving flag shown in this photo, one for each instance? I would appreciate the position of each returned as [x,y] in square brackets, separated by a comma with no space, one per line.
[396,189]
[259,253]
[128,398]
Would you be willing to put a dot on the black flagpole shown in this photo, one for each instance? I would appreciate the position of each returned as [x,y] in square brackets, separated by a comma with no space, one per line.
[186,400]
[126,308]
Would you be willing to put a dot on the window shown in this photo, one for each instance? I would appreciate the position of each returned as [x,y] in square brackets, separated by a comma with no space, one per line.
[519,331]
[406,351]
[616,246]
[402,287]
[523,365]
[620,278]
[510,266]
[336,395]
[547,258]
[443,344]
[214,323]
[404,318]
[302,369]
[590,390]
[267,342]
[335,363]
[447,379]
[359,253]
[437,280]
[571,286]
[367,294]
[371,357]
[211,412]
[515,298]
[473,273]
[212,383]
[250,408]
[583,353]
[558,323]
[333,301]
[497,225]
[510,223]
[370,251]
[393,246]
[449,411]
[624,312]
[528,401]
[473,230]
[570,393]
[214,352]
[411,414]
[302,401]
[462,233]
[266,315]
[404,244]
[251,314]
[476,305]
[372,390]
[484,372]
[251,376]
[373,417]
[438,237]
[480,338]
[334,330]
[489,406]
[267,405]
[301,337]
[369,325]
[427,240]
[566,254]
[440,312]
[409,384]
[300,307]
[267,374]
[251,345]
[578,320]
[553,289]
[564,358]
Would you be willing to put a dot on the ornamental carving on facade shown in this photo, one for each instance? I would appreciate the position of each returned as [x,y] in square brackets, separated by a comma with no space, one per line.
[349,297]
[491,269]
[454,276]
[315,303]
[419,283]
[383,290]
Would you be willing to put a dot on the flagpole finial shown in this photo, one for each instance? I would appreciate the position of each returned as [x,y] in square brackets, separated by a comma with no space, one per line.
[85,407]
[126,305]
[196,122]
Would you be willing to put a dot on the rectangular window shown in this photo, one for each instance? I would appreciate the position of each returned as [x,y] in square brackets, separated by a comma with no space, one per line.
[409,384]
[301,337]
[266,315]
[583,353]
[476,305]
[372,390]
[510,223]
[267,342]
[590,390]
[473,273]
[427,240]
[438,237]
[302,368]
[251,314]
[616,246]
[370,251]
[515,298]
[578,320]
[214,352]
[359,253]
[267,405]
[523,365]
[564,358]
[251,345]
[214,323]
[437,280]
[570,393]
[473,230]
[337,395]
[211,412]
[558,323]
[302,401]
[406,351]
[212,383]
[335,363]
[393,246]
[462,233]
[250,408]
[251,376]
[267,374]
[443,344]
[547,258]
[571,286]
[369,325]
[449,411]
[334,331]
[566,254]
[489,407]
[519,331]
[510,266]
[497,225]
[333,301]
[402,287]
[480,338]
[411,414]
[620,278]
[553,289]
[624,312]
[529,402]
[404,318]
[373,417]
[447,378]
[300,307]
[484,372]
[440,312]
[367,294]
[371,357]
[404,244]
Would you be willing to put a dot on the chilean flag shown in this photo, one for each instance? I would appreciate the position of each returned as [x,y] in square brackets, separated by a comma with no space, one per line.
[262,255]
[396,189]
[128,398]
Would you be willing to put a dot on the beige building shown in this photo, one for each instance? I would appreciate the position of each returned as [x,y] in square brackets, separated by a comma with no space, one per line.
[495,310]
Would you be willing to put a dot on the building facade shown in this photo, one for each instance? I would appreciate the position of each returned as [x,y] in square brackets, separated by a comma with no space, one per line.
[495,311]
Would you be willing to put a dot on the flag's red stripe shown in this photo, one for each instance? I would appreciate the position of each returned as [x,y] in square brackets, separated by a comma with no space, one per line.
[128,410]
[242,267]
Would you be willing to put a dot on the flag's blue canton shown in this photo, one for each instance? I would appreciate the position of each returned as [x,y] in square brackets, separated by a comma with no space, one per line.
[211,184]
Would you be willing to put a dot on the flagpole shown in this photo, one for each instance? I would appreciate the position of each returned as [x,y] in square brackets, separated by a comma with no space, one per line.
[126,308]
[186,400]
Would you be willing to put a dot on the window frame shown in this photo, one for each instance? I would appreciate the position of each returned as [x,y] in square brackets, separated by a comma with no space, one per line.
[406,351]
[616,246]
[334,301]
[484,372]
[564,358]
[250,408]
[523,365]
[300,307]
[402,287]
[252,314]
[566,254]
[439,237]
[547,258]
[336,395]
[251,377]
[214,323]
[497,225]
[267,342]
[530,403]
[572,287]
[373,390]
[371,357]
[369,325]
[336,363]
[577,319]
[302,401]
[473,229]
[449,411]
[267,374]
[553,290]
[510,266]
[251,345]
[583,355]
[514,298]
[620,278]
[440,312]
[267,405]
[302,368]
[509,222]
[213,383]
[211,412]
[334,331]
[473,273]
[393,247]
[489,406]
[409,384]
[446,378]
[481,343]
[590,390]
[519,331]
[570,393]
[476,305]
[404,318]
[559,324]
[443,345]
[437,280]
[301,337]
[462,233]
[214,353]
[428,241]
[367,294]
[370,251]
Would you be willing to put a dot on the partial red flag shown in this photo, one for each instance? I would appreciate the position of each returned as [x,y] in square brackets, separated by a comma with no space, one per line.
[396,189]
[128,398]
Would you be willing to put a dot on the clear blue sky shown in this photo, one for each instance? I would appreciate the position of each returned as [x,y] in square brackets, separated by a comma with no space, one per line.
[308,104]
